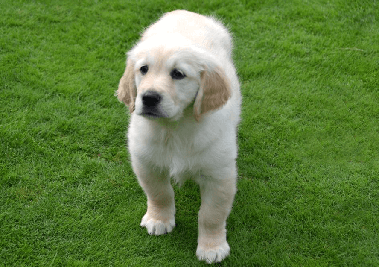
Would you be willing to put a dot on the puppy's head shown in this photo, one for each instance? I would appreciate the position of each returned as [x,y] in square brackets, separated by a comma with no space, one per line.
[166,75]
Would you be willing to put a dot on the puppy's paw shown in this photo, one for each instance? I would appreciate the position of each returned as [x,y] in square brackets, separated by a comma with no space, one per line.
[213,254]
[157,227]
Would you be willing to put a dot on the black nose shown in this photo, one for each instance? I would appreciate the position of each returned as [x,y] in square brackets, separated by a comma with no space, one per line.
[151,99]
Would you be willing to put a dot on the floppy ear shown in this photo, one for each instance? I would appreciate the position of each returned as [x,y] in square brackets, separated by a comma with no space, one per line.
[214,92]
[126,91]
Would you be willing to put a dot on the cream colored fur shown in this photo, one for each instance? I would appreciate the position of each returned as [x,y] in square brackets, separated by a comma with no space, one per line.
[192,132]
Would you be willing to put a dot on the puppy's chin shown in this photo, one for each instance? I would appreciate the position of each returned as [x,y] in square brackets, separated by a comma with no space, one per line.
[160,113]
[160,116]
[152,115]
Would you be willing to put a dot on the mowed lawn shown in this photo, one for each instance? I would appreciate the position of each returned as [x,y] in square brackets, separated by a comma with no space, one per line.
[308,189]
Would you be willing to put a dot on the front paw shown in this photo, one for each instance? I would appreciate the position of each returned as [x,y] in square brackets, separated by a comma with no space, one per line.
[157,227]
[214,253]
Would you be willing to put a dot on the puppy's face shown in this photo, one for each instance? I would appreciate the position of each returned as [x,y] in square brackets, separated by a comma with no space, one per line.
[164,76]
[166,82]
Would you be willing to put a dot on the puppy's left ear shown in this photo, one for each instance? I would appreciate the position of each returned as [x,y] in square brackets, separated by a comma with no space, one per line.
[126,91]
[214,92]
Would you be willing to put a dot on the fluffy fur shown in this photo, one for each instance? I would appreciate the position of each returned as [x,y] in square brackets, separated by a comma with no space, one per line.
[183,94]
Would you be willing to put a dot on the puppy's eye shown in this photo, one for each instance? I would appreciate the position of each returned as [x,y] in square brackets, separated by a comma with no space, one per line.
[177,74]
[144,69]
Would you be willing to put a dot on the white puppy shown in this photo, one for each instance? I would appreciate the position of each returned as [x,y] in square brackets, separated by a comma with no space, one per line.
[183,94]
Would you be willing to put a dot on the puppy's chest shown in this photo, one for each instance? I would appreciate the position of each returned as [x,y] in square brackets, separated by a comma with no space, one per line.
[179,154]
[170,147]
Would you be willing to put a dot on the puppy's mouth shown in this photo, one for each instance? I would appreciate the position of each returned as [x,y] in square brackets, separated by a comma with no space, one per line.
[151,101]
[152,113]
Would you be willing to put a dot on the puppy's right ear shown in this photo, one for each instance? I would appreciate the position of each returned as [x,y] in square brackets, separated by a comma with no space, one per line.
[126,91]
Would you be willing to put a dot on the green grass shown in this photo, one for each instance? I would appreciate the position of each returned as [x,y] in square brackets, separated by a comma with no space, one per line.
[308,193]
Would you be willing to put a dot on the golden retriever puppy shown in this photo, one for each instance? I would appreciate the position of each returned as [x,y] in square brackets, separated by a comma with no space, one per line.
[183,93]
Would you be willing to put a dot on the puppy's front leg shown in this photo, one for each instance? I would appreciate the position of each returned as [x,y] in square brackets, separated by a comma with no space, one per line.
[216,202]
[160,216]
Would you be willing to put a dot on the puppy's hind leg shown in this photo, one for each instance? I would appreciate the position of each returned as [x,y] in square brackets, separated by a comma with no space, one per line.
[160,215]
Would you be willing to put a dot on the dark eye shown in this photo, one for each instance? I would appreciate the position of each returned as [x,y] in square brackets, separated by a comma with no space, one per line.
[144,69]
[177,74]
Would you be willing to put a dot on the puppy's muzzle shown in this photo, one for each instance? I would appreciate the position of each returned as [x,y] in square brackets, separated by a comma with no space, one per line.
[151,104]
